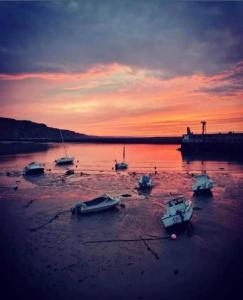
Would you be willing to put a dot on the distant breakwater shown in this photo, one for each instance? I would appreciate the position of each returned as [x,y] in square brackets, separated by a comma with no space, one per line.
[108,140]
[230,144]
[22,147]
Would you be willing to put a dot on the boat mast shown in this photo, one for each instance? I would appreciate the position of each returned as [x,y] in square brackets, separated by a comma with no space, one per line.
[63,142]
[124,153]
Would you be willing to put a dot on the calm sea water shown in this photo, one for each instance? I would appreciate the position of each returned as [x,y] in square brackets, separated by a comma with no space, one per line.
[100,157]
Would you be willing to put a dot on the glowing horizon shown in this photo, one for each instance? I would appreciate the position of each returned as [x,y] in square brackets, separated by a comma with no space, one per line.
[142,80]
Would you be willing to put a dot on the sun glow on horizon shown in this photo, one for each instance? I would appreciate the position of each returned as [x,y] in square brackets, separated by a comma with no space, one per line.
[120,100]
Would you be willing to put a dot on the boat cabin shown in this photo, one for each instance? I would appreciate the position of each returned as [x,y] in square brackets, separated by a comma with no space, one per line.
[179,202]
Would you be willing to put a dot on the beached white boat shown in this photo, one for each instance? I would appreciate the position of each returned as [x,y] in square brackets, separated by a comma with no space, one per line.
[145,182]
[103,202]
[66,160]
[122,165]
[34,168]
[203,183]
[178,210]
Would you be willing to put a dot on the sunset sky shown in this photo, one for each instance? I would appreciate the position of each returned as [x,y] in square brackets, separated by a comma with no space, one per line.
[124,68]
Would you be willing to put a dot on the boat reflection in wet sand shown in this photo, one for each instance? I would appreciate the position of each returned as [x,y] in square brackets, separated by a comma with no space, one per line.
[178,210]
[34,168]
[101,203]
[203,184]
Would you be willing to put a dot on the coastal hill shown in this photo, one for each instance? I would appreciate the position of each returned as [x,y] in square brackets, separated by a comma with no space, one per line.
[11,129]
[16,130]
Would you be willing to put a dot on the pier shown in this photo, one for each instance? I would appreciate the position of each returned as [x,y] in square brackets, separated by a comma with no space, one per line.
[230,143]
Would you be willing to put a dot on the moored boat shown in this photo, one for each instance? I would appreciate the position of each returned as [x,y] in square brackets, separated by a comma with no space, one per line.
[101,203]
[66,160]
[145,182]
[203,183]
[178,210]
[121,165]
[34,168]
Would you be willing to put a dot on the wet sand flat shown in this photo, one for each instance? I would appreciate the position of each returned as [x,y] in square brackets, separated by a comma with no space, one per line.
[123,253]
[46,254]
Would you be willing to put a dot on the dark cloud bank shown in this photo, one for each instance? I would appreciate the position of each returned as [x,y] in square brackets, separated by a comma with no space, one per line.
[180,38]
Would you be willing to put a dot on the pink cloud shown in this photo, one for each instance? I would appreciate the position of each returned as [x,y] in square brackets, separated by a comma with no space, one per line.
[119,100]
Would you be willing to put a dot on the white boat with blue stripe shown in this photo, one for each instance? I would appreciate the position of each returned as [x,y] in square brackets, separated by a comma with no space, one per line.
[178,210]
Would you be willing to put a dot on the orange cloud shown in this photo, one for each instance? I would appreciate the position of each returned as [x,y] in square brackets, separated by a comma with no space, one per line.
[120,100]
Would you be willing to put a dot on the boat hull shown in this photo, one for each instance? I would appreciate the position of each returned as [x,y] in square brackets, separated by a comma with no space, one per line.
[64,162]
[34,171]
[83,209]
[178,218]
[202,190]
[203,184]
[145,184]
[121,166]
[97,209]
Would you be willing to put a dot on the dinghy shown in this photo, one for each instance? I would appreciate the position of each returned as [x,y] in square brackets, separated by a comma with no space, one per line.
[34,168]
[103,202]
[122,165]
[66,160]
[203,183]
[145,182]
[178,210]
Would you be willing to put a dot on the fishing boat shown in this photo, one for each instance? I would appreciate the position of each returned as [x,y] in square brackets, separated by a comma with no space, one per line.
[203,183]
[66,160]
[145,182]
[34,168]
[101,203]
[122,165]
[178,210]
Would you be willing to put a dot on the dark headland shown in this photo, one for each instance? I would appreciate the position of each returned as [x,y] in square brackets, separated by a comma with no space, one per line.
[22,136]
[28,131]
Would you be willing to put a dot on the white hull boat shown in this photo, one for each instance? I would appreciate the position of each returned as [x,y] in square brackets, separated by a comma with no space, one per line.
[203,184]
[34,168]
[122,165]
[101,203]
[145,182]
[178,210]
[64,161]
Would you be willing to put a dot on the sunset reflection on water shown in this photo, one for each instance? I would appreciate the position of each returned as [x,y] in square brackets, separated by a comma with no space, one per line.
[101,157]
